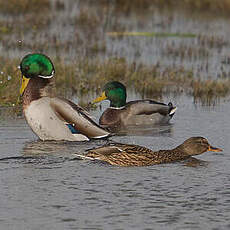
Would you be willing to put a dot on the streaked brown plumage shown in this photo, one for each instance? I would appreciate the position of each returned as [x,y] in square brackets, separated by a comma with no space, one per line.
[134,155]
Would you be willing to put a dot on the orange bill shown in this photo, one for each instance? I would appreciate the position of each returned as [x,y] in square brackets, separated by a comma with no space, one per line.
[214,149]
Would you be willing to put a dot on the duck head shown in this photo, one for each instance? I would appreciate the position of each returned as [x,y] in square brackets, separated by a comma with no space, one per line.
[115,92]
[196,146]
[35,65]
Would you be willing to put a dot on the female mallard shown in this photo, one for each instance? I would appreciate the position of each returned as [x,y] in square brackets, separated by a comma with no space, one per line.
[140,112]
[134,155]
[50,117]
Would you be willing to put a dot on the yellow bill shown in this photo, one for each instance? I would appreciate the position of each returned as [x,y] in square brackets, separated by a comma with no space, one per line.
[101,98]
[25,82]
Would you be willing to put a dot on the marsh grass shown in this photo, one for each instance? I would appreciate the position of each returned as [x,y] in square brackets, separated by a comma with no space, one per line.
[212,41]
[9,82]
[5,28]
[86,20]
[151,34]
[89,74]
[83,77]
[218,7]
[86,76]
[185,51]
[23,6]
[209,91]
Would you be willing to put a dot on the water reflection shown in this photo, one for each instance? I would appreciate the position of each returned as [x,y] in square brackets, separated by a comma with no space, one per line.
[49,152]
[44,148]
[194,162]
[68,148]
[144,130]
[58,148]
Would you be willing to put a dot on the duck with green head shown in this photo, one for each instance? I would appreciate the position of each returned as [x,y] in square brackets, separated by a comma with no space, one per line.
[135,155]
[51,117]
[122,114]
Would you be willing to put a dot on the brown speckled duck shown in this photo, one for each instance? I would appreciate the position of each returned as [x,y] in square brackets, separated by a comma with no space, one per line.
[140,112]
[134,155]
[50,117]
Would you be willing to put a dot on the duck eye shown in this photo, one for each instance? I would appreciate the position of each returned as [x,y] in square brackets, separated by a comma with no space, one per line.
[203,142]
[27,67]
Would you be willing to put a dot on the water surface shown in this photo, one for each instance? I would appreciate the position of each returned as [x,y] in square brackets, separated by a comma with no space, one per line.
[43,185]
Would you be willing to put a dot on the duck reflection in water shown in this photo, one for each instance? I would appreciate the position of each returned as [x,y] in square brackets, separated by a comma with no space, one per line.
[58,148]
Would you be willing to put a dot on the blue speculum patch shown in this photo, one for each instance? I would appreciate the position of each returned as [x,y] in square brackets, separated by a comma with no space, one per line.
[72,129]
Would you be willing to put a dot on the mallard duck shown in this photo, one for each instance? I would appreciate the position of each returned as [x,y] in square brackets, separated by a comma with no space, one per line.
[134,155]
[50,117]
[140,112]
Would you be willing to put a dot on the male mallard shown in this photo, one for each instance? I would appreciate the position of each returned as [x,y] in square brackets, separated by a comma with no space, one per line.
[50,117]
[139,112]
[134,155]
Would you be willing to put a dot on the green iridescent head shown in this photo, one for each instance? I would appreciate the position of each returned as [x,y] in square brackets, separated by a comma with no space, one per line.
[36,64]
[115,92]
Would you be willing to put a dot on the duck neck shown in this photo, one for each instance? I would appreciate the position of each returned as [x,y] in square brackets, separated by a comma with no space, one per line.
[167,156]
[37,88]
[117,104]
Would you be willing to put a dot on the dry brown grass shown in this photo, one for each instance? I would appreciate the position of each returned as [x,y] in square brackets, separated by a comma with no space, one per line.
[9,82]
[83,77]
[184,51]
[210,6]
[23,6]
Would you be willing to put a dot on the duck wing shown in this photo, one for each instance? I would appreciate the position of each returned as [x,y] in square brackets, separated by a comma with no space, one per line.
[122,155]
[76,107]
[147,107]
[115,149]
[78,117]
[107,150]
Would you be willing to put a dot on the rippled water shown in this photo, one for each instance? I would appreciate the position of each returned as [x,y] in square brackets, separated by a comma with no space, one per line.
[43,185]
